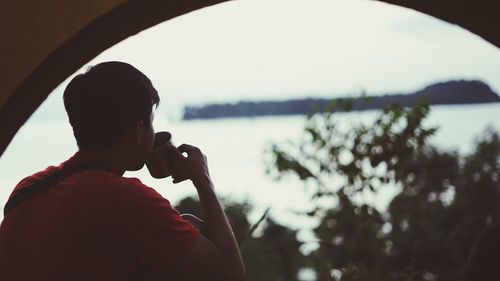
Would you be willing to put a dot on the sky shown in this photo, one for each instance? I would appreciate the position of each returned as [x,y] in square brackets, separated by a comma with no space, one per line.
[280,49]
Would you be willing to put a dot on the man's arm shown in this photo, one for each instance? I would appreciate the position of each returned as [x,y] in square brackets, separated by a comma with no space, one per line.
[215,256]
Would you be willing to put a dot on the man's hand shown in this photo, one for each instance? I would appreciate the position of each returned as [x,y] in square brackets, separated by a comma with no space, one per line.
[193,166]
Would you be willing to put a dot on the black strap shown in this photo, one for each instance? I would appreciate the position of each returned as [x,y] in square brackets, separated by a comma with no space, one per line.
[44,184]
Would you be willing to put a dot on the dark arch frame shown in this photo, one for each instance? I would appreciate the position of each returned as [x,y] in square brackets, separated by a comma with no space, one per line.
[478,16]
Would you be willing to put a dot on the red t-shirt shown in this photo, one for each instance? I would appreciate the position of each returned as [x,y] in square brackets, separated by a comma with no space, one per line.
[93,225]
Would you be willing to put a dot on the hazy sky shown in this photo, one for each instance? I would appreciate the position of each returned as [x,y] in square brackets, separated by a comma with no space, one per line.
[277,49]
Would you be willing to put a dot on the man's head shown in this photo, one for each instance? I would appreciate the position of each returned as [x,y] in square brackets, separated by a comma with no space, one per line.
[106,102]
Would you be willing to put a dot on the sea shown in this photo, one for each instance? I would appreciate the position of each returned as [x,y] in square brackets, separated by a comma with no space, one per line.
[236,152]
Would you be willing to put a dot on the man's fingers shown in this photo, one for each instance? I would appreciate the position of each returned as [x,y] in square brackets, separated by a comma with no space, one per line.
[175,154]
[178,180]
[188,148]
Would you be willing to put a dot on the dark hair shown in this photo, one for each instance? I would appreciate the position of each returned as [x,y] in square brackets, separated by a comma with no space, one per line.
[105,101]
[482,263]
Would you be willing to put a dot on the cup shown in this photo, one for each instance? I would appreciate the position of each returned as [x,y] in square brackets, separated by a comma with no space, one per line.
[160,162]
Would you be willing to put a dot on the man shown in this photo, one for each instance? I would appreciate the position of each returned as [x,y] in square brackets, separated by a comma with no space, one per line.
[82,220]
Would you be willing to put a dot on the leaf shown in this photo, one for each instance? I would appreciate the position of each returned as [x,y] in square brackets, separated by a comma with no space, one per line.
[252,229]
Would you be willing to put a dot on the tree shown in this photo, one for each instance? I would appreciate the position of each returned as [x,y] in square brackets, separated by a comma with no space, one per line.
[428,228]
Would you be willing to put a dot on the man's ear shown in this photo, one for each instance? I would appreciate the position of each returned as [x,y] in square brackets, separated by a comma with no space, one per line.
[138,131]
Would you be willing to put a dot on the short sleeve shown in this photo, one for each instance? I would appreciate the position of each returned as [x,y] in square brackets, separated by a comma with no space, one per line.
[154,231]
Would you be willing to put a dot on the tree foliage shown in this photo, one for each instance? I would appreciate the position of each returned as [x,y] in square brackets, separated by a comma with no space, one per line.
[445,199]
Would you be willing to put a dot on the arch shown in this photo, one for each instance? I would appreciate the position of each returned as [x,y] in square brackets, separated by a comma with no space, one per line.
[481,17]
[45,43]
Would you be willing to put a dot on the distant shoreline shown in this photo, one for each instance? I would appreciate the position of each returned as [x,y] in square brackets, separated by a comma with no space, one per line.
[460,92]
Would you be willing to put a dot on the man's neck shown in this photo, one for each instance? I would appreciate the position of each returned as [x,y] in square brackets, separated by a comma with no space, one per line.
[110,159]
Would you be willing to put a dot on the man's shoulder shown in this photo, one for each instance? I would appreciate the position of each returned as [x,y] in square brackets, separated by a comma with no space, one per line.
[101,185]
[91,179]
[126,188]
[104,177]
[107,180]
[38,176]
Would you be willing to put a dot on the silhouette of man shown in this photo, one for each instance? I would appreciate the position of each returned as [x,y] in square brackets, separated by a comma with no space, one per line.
[94,224]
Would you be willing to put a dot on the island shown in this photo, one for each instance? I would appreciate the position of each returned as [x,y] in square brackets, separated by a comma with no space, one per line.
[443,93]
